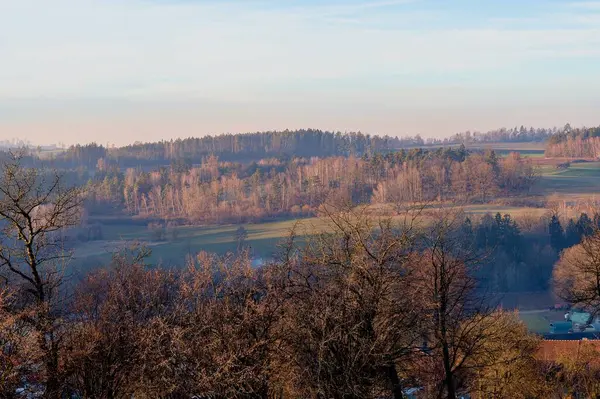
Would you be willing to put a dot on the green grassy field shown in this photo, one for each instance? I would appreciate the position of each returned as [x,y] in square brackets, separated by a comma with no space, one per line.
[262,238]
[529,150]
[518,147]
[579,181]
[524,153]
[539,321]
[536,322]
[579,178]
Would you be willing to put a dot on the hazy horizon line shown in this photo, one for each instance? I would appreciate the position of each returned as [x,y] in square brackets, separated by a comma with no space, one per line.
[62,145]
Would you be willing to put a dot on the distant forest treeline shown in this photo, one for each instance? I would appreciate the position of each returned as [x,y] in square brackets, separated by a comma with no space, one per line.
[362,309]
[299,143]
[574,143]
[227,192]
[237,147]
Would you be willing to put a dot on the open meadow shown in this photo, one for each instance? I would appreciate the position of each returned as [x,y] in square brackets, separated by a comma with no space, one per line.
[262,238]
[577,183]
[538,321]
[580,181]
[529,150]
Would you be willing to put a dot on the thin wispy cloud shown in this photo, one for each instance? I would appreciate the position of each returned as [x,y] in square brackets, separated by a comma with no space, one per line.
[588,5]
[310,54]
[359,7]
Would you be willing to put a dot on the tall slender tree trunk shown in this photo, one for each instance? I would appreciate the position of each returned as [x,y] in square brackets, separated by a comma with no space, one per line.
[396,385]
[49,346]
[53,388]
[449,374]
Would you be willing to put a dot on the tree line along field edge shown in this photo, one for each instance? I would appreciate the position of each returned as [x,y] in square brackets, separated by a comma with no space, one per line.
[262,237]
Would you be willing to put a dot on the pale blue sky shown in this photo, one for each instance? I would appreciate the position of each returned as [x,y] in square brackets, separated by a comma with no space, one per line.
[123,70]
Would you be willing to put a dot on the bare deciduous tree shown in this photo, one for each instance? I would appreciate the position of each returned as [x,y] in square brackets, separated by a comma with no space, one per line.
[458,323]
[352,326]
[35,209]
[18,350]
[511,369]
[113,311]
[577,274]
[210,331]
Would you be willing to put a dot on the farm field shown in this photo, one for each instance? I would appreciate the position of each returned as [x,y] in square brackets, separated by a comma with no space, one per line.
[528,150]
[580,179]
[538,321]
[262,238]
[518,147]
[533,308]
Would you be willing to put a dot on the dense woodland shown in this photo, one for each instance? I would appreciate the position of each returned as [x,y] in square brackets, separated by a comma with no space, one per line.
[367,309]
[502,135]
[374,305]
[574,143]
[521,254]
[235,147]
[298,143]
[252,147]
[216,191]
[225,192]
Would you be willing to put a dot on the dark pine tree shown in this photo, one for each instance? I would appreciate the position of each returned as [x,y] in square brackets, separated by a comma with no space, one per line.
[557,234]
[572,236]
[584,225]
